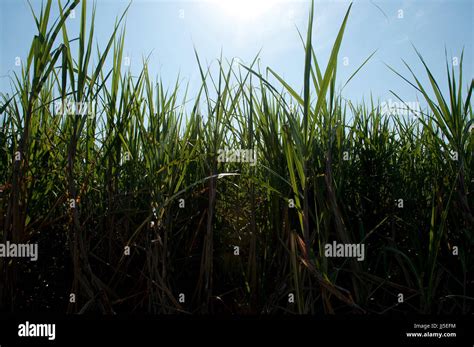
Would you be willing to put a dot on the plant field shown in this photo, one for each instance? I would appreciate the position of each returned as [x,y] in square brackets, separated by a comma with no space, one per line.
[140,201]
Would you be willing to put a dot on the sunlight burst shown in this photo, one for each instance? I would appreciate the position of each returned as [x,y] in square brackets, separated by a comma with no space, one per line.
[245,9]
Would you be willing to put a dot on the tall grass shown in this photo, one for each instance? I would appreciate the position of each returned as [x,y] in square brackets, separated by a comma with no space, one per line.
[140,171]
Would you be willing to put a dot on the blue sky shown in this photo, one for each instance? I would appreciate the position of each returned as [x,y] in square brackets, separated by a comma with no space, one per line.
[170,30]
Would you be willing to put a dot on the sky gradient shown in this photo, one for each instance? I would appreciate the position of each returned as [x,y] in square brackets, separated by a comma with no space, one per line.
[169,31]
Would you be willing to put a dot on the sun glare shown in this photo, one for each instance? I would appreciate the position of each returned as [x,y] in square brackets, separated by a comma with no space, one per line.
[245,9]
